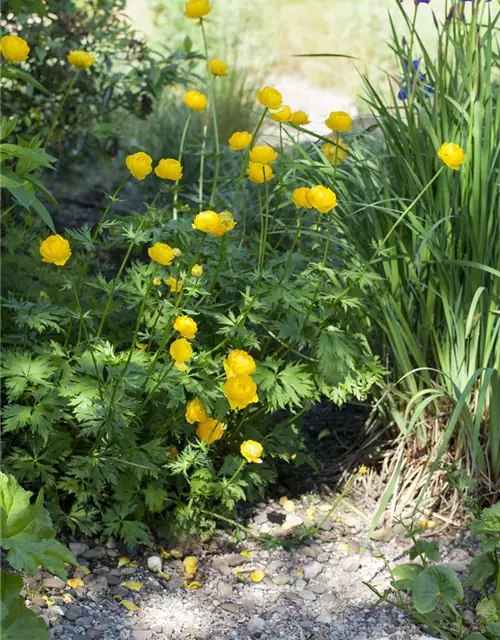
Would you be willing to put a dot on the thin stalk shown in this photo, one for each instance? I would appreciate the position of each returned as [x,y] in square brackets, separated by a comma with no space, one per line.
[181,151]
[61,106]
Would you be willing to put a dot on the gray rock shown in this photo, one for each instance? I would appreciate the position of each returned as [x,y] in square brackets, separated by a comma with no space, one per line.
[459,567]
[293,520]
[232,607]
[318,588]
[111,543]
[85,621]
[308,552]
[53,583]
[281,579]
[39,602]
[96,584]
[225,590]
[141,634]
[236,559]
[114,580]
[307,595]
[96,553]
[383,535]
[154,563]
[256,626]
[324,618]
[327,525]
[78,548]
[73,612]
[221,566]
[350,564]
[312,570]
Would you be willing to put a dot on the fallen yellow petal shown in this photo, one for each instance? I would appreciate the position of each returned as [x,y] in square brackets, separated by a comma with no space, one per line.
[75,582]
[83,569]
[128,604]
[48,601]
[257,576]
[67,598]
[343,546]
[133,565]
[123,561]
[300,572]
[324,433]
[283,500]
[190,564]
[289,506]
[192,585]
[165,554]
[132,585]
[176,553]
[246,554]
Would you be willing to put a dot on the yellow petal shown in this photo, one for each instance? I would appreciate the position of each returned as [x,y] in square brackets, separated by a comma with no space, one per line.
[67,598]
[163,575]
[283,500]
[128,604]
[192,585]
[165,554]
[123,561]
[75,582]
[257,576]
[343,546]
[48,601]
[176,553]
[300,572]
[133,586]
[246,554]
[133,565]
[83,569]
[324,433]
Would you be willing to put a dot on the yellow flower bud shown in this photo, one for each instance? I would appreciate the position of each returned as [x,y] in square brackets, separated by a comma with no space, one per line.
[299,118]
[177,252]
[81,59]
[251,451]
[169,169]
[300,197]
[181,350]
[197,270]
[55,249]
[262,153]
[452,155]
[322,198]
[196,101]
[186,326]
[210,430]
[174,284]
[259,173]
[240,391]
[197,9]
[139,164]
[239,362]
[195,411]
[161,253]
[240,140]
[283,115]
[339,121]
[218,67]
[363,470]
[206,221]
[270,98]
[14,49]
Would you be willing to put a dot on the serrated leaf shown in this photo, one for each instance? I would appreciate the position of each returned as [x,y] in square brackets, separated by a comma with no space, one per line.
[482,570]
[489,608]
[406,575]
[17,622]
[435,583]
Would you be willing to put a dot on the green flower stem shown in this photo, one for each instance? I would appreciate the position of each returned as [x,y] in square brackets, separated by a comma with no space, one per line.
[222,254]
[122,267]
[202,165]
[61,106]
[234,524]
[157,385]
[300,221]
[259,125]
[312,531]
[236,473]
[181,151]
[213,108]
[83,268]
[89,343]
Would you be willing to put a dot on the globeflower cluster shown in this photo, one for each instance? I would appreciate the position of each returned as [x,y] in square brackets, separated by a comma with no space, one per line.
[140,165]
[216,224]
[323,199]
[240,388]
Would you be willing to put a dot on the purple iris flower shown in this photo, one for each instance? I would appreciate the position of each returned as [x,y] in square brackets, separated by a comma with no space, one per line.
[418,77]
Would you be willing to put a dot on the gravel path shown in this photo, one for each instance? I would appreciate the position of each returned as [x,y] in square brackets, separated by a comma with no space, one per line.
[313,592]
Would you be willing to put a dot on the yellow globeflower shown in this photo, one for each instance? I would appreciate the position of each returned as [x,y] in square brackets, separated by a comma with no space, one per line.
[55,249]
[452,155]
[186,326]
[81,59]
[270,98]
[190,564]
[206,221]
[251,451]
[238,363]
[195,411]
[322,198]
[335,152]
[259,173]
[339,121]
[299,118]
[169,169]
[197,9]
[226,223]
[240,140]
[14,49]
[218,67]
[197,270]
[283,115]
[181,350]
[210,430]
[262,153]
[139,164]
[195,100]
[174,284]
[240,391]
[161,253]
[300,197]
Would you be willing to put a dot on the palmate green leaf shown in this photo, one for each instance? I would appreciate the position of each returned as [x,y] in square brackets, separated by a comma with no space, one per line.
[488,523]
[17,622]
[284,387]
[482,570]
[489,608]
[335,354]
[154,497]
[21,371]
[436,583]
[27,533]
[405,575]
